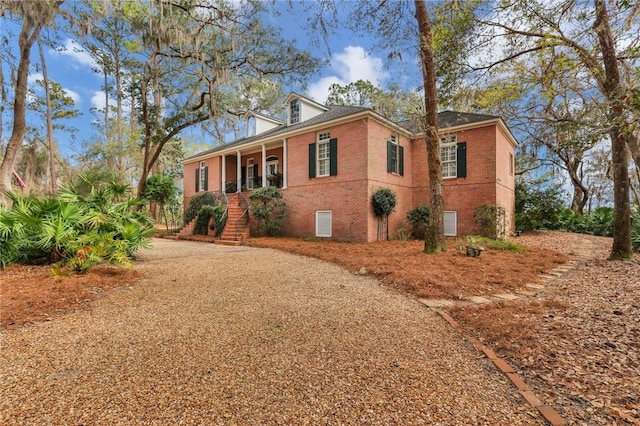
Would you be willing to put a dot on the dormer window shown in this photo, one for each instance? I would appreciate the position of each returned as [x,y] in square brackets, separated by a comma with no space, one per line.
[294,111]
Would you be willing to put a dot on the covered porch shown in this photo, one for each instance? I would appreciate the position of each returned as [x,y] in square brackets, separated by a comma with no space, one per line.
[248,169]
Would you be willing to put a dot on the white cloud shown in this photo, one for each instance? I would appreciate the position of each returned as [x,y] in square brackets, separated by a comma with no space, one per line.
[34,77]
[99,99]
[73,95]
[72,49]
[351,65]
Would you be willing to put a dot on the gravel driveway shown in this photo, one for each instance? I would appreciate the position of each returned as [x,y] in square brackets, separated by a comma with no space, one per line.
[236,335]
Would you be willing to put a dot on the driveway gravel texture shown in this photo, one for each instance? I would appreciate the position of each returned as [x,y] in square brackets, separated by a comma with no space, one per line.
[218,335]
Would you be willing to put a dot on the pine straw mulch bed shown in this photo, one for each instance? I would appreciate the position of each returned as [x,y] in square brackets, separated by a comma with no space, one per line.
[31,293]
[577,344]
[448,275]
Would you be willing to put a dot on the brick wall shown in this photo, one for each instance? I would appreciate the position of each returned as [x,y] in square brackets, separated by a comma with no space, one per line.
[486,181]
[344,194]
[362,170]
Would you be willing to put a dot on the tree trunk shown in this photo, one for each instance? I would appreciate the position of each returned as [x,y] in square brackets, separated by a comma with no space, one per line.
[434,241]
[619,133]
[28,35]
[50,142]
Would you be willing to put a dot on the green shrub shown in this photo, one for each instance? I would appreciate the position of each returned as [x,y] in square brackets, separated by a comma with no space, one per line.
[217,212]
[196,202]
[73,229]
[491,219]
[536,205]
[268,207]
[384,202]
[418,218]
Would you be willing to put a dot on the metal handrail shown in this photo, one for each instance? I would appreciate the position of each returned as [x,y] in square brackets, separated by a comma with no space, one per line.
[241,201]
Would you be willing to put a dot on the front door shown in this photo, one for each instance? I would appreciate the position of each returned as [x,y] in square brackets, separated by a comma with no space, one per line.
[250,175]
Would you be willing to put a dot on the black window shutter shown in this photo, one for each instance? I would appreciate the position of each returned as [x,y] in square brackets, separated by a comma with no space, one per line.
[401,160]
[312,160]
[333,157]
[390,147]
[206,178]
[461,153]
[256,179]
[198,180]
[243,176]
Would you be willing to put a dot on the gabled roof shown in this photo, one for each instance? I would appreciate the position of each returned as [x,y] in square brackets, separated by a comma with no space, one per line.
[305,99]
[448,119]
[334,113]
[251,112]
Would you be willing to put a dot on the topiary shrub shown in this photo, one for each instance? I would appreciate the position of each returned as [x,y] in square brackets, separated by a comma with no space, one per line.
[268,207]
[491,219]
[384,203]
[418,218]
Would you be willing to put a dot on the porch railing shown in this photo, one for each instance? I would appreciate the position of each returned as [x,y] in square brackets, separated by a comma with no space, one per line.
[231,186]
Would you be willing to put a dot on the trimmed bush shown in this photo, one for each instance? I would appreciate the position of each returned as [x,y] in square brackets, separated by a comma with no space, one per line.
[418,218]
[268,207]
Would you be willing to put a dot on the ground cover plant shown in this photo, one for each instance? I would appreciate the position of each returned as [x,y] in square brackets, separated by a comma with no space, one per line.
[74,231]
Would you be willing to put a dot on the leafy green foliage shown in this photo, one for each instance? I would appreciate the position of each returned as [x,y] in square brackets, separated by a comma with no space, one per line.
[496,244]
[418,218]
[196,202]
[384,202]
[599,222]
[77,231]
[217,212]
[491,219]
[159,188]
[268,207]
[536,205]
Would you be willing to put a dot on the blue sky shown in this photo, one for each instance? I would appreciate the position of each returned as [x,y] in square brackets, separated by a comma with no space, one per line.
[349,57]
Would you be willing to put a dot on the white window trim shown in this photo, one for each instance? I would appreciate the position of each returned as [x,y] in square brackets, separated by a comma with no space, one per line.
[299,106]
[202,182]
[455,223]
[322,139]
[330,218]
[250,179]
[447,142]
[396,142]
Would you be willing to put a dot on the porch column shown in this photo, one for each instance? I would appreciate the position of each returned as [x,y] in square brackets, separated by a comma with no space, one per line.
[284,163]
[264,166]
[224,173]
[238,171]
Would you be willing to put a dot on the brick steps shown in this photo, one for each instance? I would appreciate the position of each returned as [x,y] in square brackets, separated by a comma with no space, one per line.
[235,231]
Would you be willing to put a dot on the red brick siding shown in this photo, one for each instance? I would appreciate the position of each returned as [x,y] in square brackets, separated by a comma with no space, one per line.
[344,194]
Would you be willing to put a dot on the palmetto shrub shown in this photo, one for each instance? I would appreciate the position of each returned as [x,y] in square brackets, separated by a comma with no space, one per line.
[73,229]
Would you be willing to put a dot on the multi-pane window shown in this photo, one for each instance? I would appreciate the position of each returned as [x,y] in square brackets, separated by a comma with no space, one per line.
[323,154]
[448,155]
[250,173]
[203,177]
[294,111]
[394,155]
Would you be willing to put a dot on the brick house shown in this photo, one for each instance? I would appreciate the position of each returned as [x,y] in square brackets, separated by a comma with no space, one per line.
[330,160]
